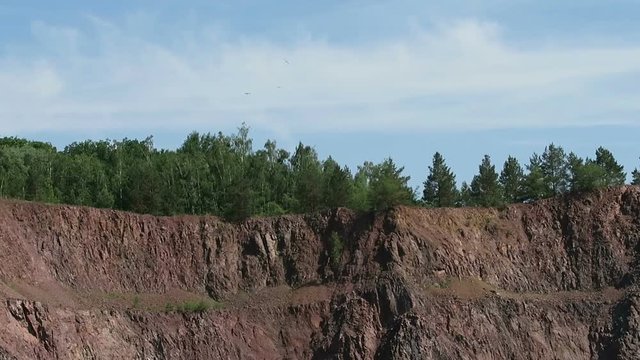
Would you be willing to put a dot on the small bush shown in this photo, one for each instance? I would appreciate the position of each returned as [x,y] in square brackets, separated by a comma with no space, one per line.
[191,306]
[169,307]
[336,249]
[194,307]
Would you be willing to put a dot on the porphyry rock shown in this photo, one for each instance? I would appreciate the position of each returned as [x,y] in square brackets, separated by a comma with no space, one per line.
[552,279]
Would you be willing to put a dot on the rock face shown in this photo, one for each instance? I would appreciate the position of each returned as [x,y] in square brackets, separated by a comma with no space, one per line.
[557,279]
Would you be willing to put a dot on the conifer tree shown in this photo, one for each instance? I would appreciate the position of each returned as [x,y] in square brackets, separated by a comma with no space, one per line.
[590,176]
[440,186]
[574,168]
[635,177]
[464,196]
[485,189]
[534,186]
[554,170]
[613,172]
[511,179]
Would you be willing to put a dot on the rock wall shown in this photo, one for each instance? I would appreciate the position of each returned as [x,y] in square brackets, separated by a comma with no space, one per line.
[553,279]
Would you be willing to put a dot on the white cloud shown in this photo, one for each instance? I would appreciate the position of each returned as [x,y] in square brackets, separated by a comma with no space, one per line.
[456,76]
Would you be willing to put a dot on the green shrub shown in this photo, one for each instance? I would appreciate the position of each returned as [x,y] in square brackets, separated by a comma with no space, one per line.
[192,306]
[336,244]
[169,307]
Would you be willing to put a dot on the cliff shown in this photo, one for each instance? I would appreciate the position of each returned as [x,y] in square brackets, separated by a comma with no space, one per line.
[553,279]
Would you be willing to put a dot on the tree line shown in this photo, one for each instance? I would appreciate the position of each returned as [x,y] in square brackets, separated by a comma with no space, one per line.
[223,175]
[552,173]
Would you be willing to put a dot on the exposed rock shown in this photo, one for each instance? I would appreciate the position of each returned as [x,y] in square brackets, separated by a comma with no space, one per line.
[533,281]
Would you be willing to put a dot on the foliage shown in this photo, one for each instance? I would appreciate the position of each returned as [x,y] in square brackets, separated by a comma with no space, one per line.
[553,165]
[388,187]
[485,189]
[612,173]
[222,175]
[336,248]
[464,195]
[307,179]
[635,177]
[589,176]
[534,184]
[337,184]
[192,306]
[511,179]
[440,186]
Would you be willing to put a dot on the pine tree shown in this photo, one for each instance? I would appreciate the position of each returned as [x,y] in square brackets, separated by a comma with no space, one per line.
[533,186]
[554,170]
[464,196]
[635,177]
[614,174]
[589,176]
[574,168]
[511,179]
[485,189]
[440,186]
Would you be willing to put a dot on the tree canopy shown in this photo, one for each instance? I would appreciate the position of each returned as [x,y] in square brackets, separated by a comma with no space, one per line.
[485,188]
[224,175]
[440,186]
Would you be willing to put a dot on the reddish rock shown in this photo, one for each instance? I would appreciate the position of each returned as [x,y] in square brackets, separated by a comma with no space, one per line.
[553,279]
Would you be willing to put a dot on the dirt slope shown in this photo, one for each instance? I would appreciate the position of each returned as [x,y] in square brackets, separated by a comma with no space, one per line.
[554,279]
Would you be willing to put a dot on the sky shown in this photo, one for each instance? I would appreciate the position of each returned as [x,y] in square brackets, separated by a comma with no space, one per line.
[358,80]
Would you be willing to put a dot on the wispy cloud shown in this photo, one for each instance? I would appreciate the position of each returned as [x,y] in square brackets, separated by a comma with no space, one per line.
[458,75]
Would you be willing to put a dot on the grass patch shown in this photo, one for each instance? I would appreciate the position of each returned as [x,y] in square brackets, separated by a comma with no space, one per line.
[136,301]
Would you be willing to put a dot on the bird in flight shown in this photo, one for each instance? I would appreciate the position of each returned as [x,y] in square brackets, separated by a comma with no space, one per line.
[286,61]
[247,93]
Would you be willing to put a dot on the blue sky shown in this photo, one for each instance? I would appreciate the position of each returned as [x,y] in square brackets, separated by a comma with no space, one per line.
[360,80]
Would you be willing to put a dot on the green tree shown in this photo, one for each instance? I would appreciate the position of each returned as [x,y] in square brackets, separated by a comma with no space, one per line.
[39,183]
[574,168]
[554,170]
[511,179]
[13,172]
[440,186]
[589,176]
[337,185]
[388,187]
[193,178]
[534,186]
[485,189]
[613,173]
[635,177]
[272,179]
[464,196]
[307,179]
[361,187]
[81,180]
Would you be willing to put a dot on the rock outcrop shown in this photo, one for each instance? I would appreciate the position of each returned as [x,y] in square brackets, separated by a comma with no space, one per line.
[553,279]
